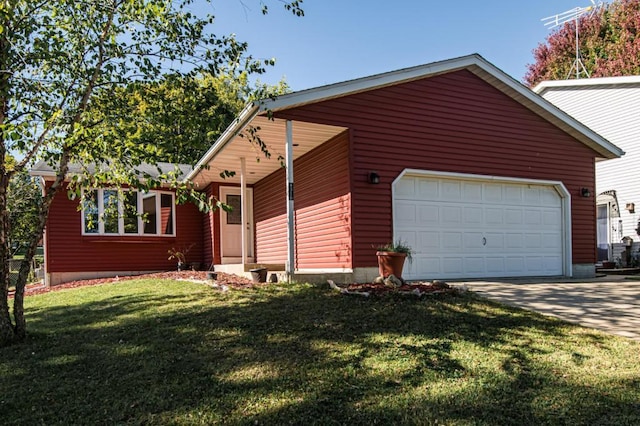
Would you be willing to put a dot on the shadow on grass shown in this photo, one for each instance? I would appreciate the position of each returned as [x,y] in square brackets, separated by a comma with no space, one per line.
[299,355]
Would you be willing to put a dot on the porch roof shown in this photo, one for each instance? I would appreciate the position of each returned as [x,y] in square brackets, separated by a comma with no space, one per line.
[225,154]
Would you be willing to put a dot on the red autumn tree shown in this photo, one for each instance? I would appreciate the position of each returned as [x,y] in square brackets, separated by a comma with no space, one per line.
[609,45]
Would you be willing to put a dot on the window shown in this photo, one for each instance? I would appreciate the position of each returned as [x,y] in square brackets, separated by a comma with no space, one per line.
[128,212]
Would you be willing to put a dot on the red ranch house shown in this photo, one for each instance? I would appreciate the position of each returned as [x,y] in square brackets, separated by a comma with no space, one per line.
[481,176]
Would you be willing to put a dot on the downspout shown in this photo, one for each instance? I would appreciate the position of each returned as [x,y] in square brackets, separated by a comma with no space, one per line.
[290,267]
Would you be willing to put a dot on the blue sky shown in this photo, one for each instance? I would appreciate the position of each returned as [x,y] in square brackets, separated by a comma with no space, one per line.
[339,40]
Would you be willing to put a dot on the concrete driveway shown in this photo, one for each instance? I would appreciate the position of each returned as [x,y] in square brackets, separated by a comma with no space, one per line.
[610,303]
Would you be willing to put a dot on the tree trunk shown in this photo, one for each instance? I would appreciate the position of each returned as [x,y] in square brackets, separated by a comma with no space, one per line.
[6,327]
[25,267]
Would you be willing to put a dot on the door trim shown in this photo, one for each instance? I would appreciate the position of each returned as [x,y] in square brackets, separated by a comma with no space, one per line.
[235,190]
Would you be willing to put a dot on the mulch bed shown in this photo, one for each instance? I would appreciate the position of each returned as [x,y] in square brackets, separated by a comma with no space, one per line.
[421,288]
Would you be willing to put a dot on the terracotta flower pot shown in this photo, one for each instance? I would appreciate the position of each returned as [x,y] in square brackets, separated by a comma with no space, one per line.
[390,262]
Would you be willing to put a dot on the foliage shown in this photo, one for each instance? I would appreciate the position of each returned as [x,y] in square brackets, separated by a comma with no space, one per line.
[609,45]
[178,118]
[398,246]
[22,203]
[170,352]
[179,254]
[59,56]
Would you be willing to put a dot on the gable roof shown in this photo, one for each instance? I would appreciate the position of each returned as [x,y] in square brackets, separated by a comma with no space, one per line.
[473,63]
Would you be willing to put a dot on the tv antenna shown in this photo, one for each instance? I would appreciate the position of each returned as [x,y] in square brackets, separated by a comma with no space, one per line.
[574,15]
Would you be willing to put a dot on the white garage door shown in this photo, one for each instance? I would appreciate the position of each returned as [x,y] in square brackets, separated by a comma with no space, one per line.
[478,229]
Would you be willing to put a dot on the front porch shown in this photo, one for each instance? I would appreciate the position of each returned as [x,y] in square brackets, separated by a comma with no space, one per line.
[312,276]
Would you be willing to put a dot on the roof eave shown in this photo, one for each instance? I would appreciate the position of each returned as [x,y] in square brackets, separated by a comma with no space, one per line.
[582,82]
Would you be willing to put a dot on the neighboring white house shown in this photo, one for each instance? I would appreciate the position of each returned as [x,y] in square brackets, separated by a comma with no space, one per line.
[611,107]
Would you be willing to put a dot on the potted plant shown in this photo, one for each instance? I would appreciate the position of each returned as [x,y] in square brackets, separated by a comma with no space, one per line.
[391,257]
[180,255]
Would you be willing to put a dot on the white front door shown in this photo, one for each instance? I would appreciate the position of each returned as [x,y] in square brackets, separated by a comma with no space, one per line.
[231,225]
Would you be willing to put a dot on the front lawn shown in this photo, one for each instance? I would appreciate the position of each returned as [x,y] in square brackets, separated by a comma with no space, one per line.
[170,352]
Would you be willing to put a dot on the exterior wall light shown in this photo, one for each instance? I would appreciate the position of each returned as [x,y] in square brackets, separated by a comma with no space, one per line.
[585,192]
[374,178]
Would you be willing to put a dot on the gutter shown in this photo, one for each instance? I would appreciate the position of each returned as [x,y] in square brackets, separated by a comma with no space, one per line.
[246,115]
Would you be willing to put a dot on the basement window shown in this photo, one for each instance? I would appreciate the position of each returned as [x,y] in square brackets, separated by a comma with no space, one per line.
[128,212]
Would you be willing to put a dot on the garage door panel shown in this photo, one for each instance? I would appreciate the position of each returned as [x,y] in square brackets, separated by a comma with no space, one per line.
[495,266]
[535,265]
[513,217]
[552,218]
[532,196]
[472,192]
[494,216]
[553,263]
[550,241]
[492,193]
[451,190]
[473,241]
[452,241]
[532,217]
[451,215]
[406,213]
[462,229]
[406,188]
[512,194]
[494,241]
[473,215]
[514,240]
[428,240]
[453,265]
[474,265]
[429,214]
[532,241]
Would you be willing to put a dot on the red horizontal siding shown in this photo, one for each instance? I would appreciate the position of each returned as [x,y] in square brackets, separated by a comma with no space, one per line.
[322,210]
[211,230]
[454,122]
[69,251]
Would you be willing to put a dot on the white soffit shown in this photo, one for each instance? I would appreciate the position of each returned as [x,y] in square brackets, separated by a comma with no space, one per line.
[306,136]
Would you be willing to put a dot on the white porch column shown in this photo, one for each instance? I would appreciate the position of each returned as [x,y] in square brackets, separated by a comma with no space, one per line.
[243,208]
[290,208]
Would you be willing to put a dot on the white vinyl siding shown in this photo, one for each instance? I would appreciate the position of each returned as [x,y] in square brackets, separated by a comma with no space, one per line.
[613,111]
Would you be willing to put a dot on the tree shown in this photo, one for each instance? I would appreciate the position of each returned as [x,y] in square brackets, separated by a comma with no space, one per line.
[23,196]
[179,117]
[609,45]
[56,57]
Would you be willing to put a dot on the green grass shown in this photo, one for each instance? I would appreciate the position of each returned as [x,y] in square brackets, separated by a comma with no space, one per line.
[166,352]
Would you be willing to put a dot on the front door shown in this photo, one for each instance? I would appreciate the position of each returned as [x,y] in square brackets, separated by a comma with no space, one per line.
[231,225]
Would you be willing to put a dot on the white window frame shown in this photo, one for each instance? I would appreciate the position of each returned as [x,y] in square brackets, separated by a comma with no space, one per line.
[139,207]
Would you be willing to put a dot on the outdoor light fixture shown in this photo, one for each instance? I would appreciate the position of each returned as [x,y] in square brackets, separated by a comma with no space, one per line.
[585,192]
[374,178]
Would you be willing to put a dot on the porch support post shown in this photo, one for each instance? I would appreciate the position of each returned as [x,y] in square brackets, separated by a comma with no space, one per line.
[243,209]
[290,208]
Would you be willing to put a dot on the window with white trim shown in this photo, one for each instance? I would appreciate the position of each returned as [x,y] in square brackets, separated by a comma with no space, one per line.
[128,212]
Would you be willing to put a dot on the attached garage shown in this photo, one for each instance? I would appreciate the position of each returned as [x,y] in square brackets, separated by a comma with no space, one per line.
[474,226]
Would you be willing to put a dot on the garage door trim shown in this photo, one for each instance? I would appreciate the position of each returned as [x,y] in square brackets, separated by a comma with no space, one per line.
[564,194]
